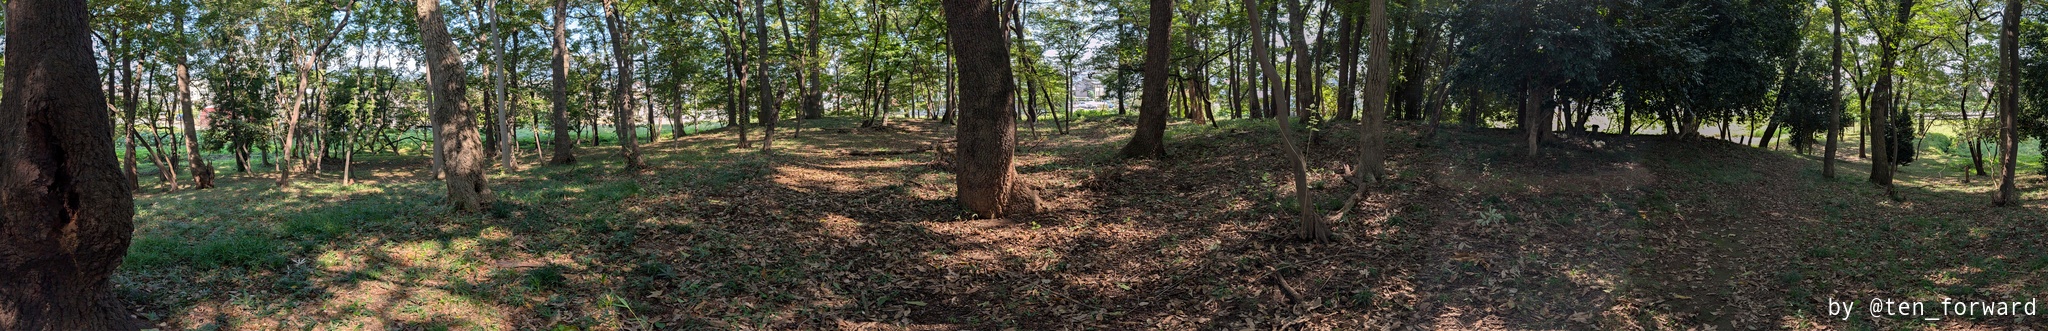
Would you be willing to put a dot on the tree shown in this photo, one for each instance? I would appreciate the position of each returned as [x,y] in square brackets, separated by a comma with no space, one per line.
[202,171]
[1372,157]
[565,145]
[308,65]
[506,136]
[66,210]
[1307,89]
[2008,104]
[1528,49]
[1883,104]
[1149,140]
[987,180]
[770,108]
[622,91]
[1834,81]
[1310,227]
[461,150]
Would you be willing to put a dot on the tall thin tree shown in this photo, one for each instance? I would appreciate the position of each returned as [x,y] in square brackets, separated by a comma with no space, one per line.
[1835,79]
[565,144]
[202,171]
[1310,226]
[770,108]
[506,136]
[2008,103]
[622,92]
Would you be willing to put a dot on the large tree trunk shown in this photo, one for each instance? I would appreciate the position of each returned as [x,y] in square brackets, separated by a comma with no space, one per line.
[2008,104]
[1834,115]
[1149,141]
[461,151]
[565,145]
[1372,156]
[66,210]
[1882,162]
[622,94]
[988,184]
[1310,227]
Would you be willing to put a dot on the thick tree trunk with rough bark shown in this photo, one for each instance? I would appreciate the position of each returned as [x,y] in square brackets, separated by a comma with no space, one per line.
[988,182]
[66,210]
[1372,157]
[565,144]
[461,150]
[1149,141]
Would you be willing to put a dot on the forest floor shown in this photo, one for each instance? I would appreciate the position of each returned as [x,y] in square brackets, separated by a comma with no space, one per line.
[1601,232]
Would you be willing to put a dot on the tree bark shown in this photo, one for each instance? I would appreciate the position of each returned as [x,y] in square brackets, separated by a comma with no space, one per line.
[128,104]
[1372,155]
[770,108]
[1881,164]
[1306,89]
[507,137]
[1415,76]
[1149,141]
[1534,114]
[987,180]
[1310,227]
[622,94]
[1347,63]
[814,95]
[1834,115]
[66,209]
[565,145]
[461,151]
[2008,104]
[202,171]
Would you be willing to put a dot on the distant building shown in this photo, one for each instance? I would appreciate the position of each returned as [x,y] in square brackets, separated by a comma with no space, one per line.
[204,120]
